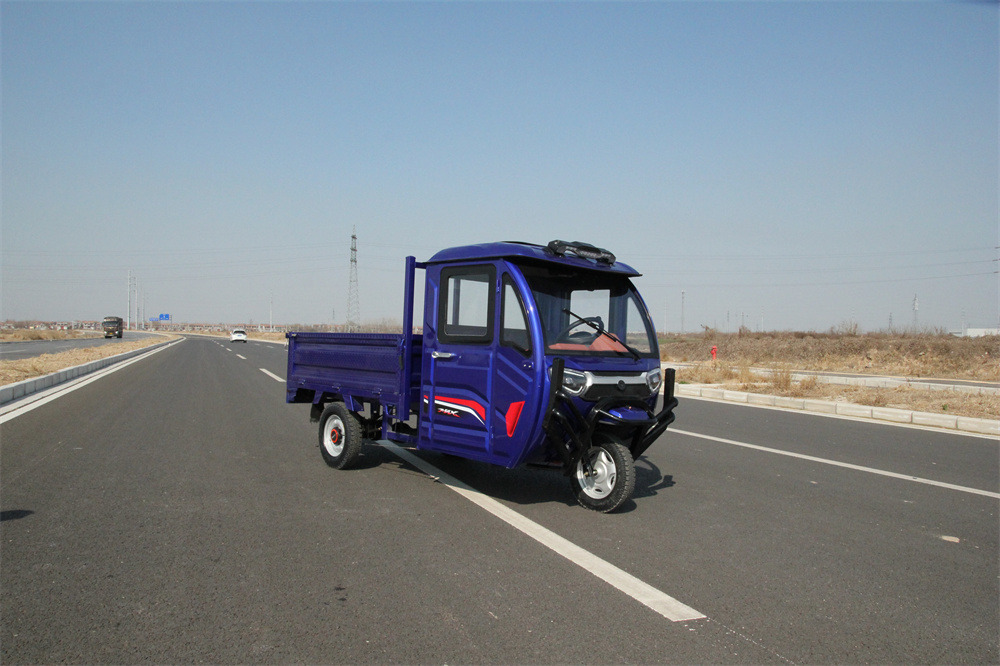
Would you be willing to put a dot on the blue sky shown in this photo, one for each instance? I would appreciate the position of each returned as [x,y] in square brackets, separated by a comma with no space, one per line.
[786,164]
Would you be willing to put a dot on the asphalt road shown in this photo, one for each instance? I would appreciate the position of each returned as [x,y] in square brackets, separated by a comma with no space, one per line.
[13,351]
[178,511]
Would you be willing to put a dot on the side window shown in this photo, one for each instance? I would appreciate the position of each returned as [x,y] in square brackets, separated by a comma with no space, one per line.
[514,332]
[638,335]
[465,313]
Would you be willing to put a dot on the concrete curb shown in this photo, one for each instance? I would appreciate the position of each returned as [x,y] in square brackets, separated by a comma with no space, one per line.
[960,423]
[12,392]
[890,382]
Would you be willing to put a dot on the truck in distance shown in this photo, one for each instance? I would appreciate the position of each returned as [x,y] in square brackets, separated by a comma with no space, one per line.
[530,355]
[113,327]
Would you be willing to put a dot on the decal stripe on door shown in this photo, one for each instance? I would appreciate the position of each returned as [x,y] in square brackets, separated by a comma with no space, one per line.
[470,407]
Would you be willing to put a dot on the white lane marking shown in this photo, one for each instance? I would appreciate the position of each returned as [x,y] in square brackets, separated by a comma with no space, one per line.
[271,375]
[658,601]
[241,356]
[13,411]
[836,463]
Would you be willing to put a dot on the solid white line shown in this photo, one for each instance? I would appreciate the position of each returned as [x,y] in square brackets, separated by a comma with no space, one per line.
[271,375]
[642,592]
[835,463]
[17,409]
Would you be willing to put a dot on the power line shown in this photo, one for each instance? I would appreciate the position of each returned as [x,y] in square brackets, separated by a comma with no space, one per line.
[811,269]
[832,284]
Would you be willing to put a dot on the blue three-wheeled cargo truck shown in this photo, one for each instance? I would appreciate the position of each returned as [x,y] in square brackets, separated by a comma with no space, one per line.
[530,355]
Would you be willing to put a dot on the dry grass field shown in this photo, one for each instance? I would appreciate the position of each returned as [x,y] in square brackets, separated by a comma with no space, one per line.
[921,355]
[28,334]
[900,355]
[16,371]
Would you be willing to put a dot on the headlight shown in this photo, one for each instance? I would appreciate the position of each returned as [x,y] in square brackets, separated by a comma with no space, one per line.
[574,382]
[653,380]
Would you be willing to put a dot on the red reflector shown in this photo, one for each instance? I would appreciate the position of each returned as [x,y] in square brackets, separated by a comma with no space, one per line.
[513,414]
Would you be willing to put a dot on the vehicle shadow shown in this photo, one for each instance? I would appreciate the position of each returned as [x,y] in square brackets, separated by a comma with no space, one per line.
[649,480]
[521,485]
[518,486]
[14,514]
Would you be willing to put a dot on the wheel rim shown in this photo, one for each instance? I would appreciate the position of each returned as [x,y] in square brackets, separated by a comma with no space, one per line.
[599,484]
[333,436]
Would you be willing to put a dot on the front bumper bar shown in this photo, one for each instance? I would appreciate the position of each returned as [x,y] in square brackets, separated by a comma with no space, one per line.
[571,433]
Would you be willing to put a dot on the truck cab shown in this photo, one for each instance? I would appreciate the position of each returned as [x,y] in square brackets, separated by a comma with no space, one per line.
[530,355]
[113,327]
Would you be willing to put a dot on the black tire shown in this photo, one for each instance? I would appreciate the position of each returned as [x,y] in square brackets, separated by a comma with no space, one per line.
[339,436]
[613,480]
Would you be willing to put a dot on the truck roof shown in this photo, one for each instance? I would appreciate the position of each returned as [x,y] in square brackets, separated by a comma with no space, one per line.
[557,252]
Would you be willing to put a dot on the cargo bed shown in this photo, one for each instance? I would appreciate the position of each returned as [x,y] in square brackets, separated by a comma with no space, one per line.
[349,367]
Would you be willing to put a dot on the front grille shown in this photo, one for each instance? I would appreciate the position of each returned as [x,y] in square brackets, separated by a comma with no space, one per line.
[611,385]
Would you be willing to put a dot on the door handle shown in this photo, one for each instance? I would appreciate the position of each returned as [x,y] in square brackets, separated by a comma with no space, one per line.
[440,354]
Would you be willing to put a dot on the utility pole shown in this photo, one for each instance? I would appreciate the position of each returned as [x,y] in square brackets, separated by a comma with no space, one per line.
[682,312]
[133,287]
[128,309]
[135,291]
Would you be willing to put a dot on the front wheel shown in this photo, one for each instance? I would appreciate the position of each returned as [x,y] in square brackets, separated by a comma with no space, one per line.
[610,479]
[339,436]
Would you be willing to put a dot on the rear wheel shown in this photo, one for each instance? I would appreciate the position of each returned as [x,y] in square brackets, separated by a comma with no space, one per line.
[610,479]
[339,436]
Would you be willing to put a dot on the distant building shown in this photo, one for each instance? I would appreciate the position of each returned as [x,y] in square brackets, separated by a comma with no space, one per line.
[979,332]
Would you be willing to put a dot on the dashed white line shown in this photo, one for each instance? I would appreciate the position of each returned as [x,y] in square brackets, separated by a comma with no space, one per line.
[271,375]
[656,600]
[241,356]
[836,463]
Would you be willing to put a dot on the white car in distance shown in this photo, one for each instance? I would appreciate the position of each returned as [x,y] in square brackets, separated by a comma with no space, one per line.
[238,335]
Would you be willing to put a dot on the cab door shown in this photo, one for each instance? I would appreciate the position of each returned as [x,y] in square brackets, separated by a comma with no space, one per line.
[459,349]
[482,365]
[518,382]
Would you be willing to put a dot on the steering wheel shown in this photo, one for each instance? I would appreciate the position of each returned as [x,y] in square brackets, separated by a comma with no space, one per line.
[582,337]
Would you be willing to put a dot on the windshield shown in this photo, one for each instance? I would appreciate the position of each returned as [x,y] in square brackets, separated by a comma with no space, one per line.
[590,313]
